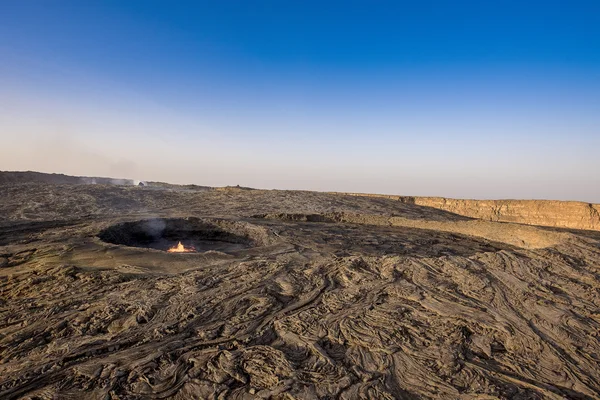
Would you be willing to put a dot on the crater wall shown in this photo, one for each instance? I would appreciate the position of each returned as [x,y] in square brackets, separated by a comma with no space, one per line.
[554,213]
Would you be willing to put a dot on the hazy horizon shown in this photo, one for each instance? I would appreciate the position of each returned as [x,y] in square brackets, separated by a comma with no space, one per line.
[452,99]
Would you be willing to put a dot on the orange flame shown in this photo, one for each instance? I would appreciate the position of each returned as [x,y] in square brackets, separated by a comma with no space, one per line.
[180,248]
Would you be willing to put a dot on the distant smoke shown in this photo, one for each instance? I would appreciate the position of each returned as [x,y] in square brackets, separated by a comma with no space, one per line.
[108,181]
[125,182]
[88,181]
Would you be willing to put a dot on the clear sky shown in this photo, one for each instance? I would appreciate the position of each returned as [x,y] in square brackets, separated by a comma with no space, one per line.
[470,99]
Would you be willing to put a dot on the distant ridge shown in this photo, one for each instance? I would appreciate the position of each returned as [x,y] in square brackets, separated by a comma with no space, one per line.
[15,177]
[25,177]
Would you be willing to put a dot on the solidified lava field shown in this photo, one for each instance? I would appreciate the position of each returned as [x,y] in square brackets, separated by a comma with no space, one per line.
[289,295]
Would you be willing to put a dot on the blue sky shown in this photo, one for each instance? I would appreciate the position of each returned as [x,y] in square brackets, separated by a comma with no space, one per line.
[451,98]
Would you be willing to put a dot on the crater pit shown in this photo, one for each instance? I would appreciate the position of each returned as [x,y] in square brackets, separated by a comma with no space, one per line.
[197,235]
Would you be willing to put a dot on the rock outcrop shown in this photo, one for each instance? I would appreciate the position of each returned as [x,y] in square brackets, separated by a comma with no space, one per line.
[553,213]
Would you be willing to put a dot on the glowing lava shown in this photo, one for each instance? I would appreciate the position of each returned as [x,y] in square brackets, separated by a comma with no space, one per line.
[180,248]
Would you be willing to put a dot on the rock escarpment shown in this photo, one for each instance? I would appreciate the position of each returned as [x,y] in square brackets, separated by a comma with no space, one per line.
[560,214]
[554,213]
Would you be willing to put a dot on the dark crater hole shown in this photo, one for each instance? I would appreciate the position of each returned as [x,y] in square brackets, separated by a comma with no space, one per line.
[199,234]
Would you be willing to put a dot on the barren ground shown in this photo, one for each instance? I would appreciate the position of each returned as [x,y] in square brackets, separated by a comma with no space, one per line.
[294,295]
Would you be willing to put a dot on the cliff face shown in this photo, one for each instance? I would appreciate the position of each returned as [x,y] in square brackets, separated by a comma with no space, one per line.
[560,214]
[563,214]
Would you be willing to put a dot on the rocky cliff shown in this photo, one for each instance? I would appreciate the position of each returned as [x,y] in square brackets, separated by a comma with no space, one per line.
[560,214]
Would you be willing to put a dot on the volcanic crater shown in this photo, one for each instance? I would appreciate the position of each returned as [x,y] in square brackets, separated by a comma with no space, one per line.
[184,235]
[293,295]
